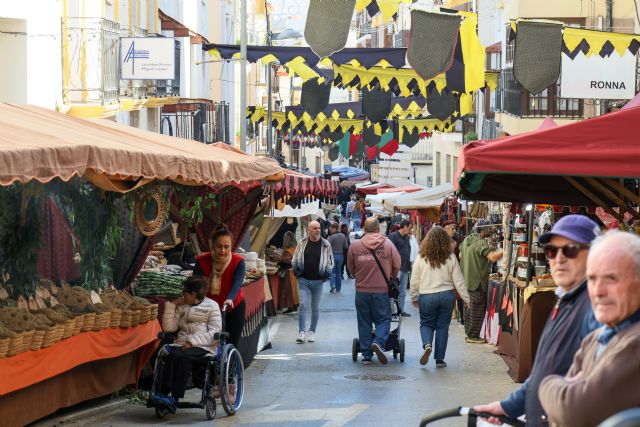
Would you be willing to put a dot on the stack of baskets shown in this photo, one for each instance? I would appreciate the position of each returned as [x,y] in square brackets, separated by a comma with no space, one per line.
[103,320]
[5,339]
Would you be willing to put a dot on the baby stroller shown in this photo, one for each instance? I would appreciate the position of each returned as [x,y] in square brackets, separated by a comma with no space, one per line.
[394,342]
[221,372]
[470,413]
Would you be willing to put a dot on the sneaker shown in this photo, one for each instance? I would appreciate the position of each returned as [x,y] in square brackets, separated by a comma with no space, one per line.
[379,351]
[441,364]
[474,340]
[425,354]
[332,290]
[405,314]
[366,361]
[311,336]
[300,337]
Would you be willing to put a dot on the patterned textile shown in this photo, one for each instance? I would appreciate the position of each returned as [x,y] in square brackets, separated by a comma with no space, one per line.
[376,104]
[536,62]
[474,316]
[432,42]
[327,26]
[411,138]
[441,104]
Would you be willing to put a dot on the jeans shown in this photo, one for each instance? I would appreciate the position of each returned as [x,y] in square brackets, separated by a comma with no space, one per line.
[310,292]
[403,276]
[336,274]
[356,222]
[372,309]
[435,317]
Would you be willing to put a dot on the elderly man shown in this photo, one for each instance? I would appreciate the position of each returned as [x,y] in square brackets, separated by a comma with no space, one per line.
[372,292]
[566,247]
[312,265]
[475,257]
[605,375]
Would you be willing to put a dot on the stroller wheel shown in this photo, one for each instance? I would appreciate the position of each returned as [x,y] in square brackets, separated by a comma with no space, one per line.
[402,350]
[161,411]
[355,349]
[210,407]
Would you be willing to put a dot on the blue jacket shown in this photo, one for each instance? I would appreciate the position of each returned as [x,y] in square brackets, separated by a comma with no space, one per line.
[559,342]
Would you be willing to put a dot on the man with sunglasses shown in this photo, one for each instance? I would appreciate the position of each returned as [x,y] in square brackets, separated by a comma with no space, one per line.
[566,247]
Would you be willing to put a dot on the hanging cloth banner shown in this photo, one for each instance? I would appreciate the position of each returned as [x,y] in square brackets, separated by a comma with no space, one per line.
[328,23]
[369,136]
[334,152]
[432,41]
[345,145]
[410,139]
[388,8]
[442,105]
[315,96]
[536,61]
[376,104]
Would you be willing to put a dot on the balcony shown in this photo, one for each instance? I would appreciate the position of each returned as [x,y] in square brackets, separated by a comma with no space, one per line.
[520,103]
[90,49]
[198,119]
[401,39]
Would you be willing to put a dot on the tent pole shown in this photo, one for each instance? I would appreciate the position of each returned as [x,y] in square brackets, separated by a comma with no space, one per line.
[529,241]
[619,200]
[593,197]
[622,190]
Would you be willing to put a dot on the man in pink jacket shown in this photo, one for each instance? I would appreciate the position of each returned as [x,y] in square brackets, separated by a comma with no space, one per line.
[372,298]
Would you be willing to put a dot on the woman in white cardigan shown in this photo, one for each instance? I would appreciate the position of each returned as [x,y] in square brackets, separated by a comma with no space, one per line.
[196,318]
[435,274]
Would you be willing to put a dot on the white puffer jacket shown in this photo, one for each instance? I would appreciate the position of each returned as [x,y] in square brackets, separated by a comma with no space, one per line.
[194,323]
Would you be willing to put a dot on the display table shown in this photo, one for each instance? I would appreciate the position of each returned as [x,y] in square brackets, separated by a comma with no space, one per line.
[255,335]
[34,384]
[518,347]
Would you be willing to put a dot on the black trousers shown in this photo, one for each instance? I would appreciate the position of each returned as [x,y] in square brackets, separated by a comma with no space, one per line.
[179,365]
[235,323]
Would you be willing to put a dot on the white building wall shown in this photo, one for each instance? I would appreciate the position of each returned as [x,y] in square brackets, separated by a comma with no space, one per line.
[446,153]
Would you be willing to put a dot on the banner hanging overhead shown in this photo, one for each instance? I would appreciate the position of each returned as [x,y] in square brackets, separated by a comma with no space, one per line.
[595,77]
[147,58]
[327,26]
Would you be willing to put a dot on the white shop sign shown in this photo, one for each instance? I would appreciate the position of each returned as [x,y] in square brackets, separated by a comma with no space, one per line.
[600,78]
[147,58]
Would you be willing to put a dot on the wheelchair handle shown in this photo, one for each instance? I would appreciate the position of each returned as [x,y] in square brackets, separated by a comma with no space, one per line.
[219,335]
[461,410]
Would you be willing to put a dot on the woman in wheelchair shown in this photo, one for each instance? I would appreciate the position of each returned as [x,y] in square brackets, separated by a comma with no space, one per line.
[196,319]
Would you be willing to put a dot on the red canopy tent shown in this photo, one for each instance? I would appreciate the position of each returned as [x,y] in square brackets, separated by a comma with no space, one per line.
[577,164]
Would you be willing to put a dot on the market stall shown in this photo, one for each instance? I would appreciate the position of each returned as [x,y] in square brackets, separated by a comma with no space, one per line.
[544,166]
[65,183]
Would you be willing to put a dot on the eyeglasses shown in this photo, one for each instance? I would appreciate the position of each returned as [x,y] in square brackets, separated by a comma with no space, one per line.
[570,251]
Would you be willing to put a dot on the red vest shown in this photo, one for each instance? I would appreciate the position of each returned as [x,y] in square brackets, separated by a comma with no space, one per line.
[206,264]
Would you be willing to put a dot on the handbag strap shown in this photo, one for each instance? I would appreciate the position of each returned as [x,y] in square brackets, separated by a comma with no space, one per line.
[380,267]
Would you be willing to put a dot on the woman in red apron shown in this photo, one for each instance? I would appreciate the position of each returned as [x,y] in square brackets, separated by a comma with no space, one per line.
[224,271]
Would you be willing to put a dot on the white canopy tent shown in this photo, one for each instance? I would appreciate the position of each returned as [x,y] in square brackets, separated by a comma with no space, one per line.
[305,209]
[377,200]
[423,199]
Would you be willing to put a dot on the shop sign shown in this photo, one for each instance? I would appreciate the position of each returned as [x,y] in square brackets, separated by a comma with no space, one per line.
[147,58]
[595,77]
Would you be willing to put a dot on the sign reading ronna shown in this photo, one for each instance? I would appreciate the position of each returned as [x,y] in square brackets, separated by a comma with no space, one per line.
[147,58]
[613,77]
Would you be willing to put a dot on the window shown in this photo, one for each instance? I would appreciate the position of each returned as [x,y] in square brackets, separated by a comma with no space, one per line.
[438,161]
[454,166]
[448,166]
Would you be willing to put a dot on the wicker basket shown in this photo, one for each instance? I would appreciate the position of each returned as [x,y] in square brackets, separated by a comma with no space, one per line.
[116,317]
[79,323]
[15,345]
[89,321]
[36,341]
[135,318]
[51,335]
[103,320]
[154,311]
[27,337]
[125,320]
[68,327]
[4,347]
[145,313]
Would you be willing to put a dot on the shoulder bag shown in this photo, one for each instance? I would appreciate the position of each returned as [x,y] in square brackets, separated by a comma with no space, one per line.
[393,283]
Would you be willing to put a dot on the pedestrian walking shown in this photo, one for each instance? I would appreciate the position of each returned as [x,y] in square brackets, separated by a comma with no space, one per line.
[312,265]
[436,273]
[566,247]
[475,257]
[344,229]
[373,306]
[338,246]
[356,216]
[402,241]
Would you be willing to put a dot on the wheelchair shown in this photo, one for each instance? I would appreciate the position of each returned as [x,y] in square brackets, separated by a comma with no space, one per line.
[221,372]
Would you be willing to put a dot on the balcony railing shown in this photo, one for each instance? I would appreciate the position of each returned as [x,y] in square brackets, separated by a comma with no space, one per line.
[90,49]
[200,120]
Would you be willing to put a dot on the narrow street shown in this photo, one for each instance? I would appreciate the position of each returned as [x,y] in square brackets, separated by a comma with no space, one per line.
[317,384]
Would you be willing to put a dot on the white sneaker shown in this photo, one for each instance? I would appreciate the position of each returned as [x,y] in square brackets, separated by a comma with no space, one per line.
[300,337]
[311,336]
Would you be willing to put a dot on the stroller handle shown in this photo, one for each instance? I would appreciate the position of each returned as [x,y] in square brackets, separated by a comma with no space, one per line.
[462,410]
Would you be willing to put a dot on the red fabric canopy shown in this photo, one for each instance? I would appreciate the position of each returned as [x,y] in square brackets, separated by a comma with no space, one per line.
[372,189]
[530,167]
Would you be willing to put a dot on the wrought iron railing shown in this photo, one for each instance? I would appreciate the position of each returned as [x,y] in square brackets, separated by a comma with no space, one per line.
[200,120]
[90,49]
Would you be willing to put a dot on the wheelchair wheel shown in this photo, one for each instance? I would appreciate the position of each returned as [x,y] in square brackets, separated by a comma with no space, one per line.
[355,349]
[210,407]
[402,350]
[161,411]
[231,379]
